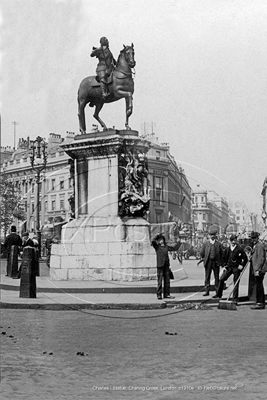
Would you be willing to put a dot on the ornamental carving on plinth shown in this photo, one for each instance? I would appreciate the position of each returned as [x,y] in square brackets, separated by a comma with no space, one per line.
[134,187]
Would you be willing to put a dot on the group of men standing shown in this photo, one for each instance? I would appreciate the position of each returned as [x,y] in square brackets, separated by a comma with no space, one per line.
[233,259]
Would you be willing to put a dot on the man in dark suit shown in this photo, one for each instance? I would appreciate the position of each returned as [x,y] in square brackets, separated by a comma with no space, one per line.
[12,244]
[211,253]
[234,261]
[163,264]
[258,262]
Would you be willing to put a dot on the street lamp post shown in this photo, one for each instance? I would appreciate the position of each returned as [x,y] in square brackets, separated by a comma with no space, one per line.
[38,163]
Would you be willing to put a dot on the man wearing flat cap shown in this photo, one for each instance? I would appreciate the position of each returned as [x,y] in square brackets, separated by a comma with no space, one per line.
[258,262]
[235,259]
[211,253]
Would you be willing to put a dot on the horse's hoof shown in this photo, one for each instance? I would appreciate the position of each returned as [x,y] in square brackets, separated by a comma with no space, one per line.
[128,128]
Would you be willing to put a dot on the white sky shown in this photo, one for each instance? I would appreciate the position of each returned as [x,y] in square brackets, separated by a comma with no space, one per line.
[201,78]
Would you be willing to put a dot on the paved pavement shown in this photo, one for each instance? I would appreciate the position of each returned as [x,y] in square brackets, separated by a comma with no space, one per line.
[187,287]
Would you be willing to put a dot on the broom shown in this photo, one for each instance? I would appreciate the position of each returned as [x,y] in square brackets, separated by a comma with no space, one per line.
[230,304]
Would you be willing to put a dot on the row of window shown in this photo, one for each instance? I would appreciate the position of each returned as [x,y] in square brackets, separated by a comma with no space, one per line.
[52,204]
[196,198]
[51,185]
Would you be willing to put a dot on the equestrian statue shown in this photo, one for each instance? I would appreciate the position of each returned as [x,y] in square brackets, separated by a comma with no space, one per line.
[113,82]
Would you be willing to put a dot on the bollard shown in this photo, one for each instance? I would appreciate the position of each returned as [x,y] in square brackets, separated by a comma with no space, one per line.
[28,273]
[14,261]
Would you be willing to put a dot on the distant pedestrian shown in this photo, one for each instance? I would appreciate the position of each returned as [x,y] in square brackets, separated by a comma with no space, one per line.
[48,244]
[258,262]
[211,254]
[12,245]
[163,264]
[234,261]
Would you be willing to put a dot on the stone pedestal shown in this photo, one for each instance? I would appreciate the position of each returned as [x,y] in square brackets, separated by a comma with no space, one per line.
[109,239]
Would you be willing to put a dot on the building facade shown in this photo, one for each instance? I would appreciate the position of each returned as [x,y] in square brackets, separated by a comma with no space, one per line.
[55,188]
[170,189]
[208,209]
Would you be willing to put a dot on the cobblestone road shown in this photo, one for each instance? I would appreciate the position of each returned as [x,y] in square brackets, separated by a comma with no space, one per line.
[157,354]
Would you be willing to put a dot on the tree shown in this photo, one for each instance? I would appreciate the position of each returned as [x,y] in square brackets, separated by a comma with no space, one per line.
[11,203]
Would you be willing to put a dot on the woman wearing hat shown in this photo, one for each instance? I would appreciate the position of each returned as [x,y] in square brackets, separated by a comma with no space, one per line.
[258,262]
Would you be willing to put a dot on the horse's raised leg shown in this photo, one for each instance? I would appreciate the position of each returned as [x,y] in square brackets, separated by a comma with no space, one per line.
[129,105]
[129,109]
[98,108]
[81,115]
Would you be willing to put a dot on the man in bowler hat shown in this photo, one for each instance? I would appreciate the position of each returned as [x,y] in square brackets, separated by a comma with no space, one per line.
[235,260]
[258,262]
[211,253]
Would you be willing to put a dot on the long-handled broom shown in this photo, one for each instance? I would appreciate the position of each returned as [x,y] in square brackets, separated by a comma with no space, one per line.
[230,304]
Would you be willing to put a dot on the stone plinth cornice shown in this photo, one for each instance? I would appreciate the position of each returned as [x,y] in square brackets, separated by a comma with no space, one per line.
[105,145]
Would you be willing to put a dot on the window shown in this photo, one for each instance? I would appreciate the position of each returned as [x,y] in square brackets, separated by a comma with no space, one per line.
[46,206]
[25,206]
[70,183]
[158,185]
[202,199]
[159,217]
[53,205]
[32,207]
[204,217]
[237,211]
[237,218]
[157,155]
[61,184]
[53,184]
[62,207]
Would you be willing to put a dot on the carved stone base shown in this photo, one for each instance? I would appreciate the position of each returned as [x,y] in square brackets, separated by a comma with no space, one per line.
[110,178]
[104,248]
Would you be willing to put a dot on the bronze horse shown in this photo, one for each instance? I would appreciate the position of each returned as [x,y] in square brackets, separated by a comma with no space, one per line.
[121,85]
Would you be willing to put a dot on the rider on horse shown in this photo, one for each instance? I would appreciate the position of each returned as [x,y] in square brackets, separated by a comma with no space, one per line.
[105,65]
